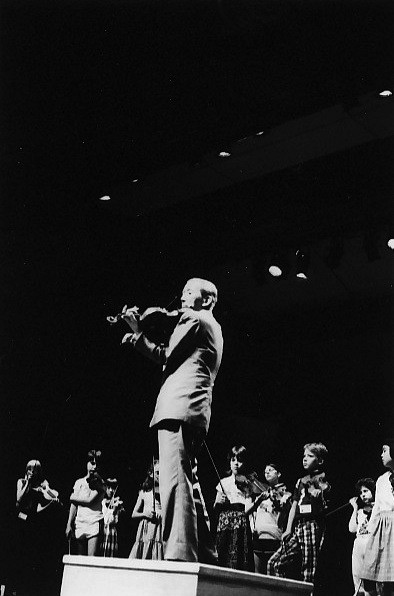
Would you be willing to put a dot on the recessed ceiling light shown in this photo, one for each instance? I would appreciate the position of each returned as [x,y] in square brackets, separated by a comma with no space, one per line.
[105,198]
[275,270]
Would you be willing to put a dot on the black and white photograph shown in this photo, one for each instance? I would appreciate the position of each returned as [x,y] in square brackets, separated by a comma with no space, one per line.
[197,239]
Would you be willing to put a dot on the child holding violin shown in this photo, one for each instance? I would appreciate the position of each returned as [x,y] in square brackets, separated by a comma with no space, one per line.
[303,537]
[86,511]
[358,525]
[269,517]
[33,496]
[33,493]
[233,533]
[149,539]
[112,508]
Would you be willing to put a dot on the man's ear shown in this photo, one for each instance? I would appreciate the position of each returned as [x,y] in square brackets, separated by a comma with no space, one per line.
[207,300]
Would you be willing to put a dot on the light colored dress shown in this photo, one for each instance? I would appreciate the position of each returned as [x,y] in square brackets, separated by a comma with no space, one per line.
[359,546]
[379,554]
[149,539]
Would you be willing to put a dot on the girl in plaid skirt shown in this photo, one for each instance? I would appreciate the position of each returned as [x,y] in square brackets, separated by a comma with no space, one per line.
[112,508]
[379,555]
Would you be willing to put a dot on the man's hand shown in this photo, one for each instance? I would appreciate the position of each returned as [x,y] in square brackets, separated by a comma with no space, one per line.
[127,338]
[353,502]
[130,316]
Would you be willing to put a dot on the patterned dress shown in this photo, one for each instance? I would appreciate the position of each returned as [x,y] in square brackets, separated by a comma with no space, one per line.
[233,533]
[109,545]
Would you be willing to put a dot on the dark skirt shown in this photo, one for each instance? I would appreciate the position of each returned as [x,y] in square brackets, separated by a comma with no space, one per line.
[234,539]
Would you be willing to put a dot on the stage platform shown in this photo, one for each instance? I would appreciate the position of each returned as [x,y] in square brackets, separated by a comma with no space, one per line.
[96,576]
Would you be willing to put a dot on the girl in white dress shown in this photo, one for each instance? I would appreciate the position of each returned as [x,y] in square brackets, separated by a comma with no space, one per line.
[379,555]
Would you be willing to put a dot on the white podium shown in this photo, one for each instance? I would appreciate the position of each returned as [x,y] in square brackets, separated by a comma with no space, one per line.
[96,576]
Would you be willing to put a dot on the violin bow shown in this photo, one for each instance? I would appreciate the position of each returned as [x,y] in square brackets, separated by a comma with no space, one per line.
[111,502]
[215,468]
[172,302]
[154,482]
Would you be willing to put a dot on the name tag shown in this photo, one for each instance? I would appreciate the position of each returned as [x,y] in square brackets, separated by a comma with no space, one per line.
[306,508]
[22,515]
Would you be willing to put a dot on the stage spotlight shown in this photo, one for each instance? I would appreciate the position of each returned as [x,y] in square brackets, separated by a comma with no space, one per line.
[105,198]
[370,246]
[335,253]
[390,243]
[279,265]
[224,154]
[275,270]
[385,93]
[302,263]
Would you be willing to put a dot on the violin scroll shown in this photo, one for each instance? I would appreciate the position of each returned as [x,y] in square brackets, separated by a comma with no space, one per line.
[112,320]
[95,482]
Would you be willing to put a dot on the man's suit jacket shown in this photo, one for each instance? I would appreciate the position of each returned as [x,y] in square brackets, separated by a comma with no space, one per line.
[190,365]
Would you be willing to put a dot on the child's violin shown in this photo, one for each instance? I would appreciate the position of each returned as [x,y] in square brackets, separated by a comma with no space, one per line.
[95,482]
[50,494]
[251,484]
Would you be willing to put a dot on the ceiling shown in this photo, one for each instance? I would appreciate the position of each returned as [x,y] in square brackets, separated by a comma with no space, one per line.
[100,94]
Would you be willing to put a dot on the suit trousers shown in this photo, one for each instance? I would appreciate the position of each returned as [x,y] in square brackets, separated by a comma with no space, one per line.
[186,532]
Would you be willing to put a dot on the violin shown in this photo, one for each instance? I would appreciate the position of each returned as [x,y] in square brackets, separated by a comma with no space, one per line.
[252,485]
[114,503]
[50,494]
[156,323]
[95,482]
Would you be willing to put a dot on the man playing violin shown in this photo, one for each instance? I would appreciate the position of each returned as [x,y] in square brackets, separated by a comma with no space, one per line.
[190,363]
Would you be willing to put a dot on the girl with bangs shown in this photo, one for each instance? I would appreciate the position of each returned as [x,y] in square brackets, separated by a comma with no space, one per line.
[233,534]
